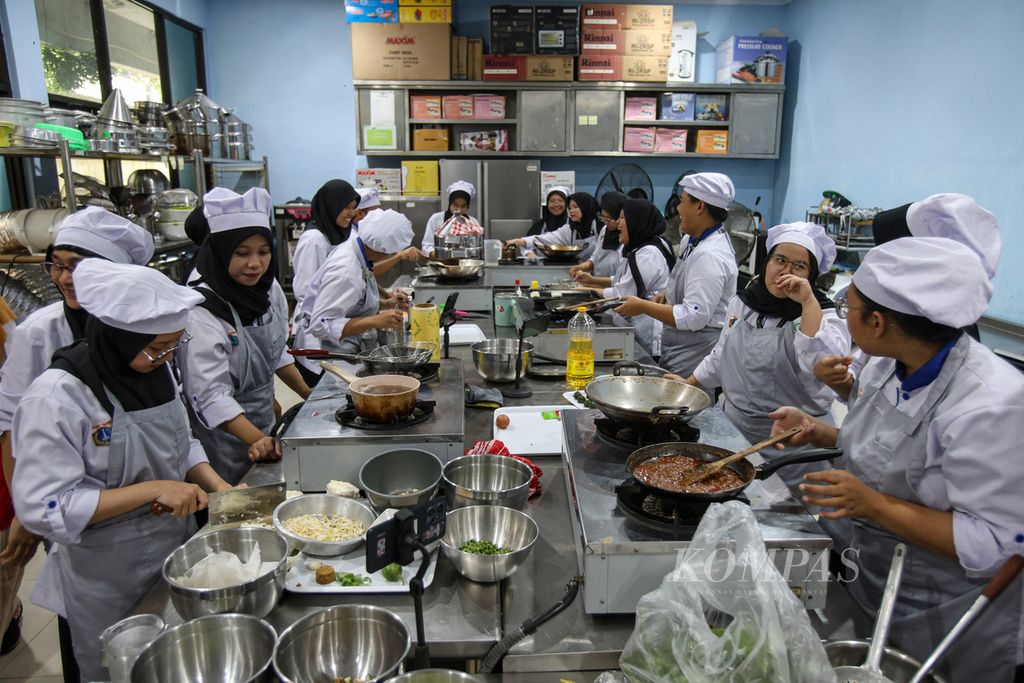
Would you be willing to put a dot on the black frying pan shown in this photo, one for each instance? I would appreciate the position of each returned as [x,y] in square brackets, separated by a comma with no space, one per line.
[743,468]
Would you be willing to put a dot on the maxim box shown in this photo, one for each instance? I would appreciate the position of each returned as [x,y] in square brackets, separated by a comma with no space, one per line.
[751,59]
[638,139]
[384,179]
[549,68]
[670,140]
[401,52]
[677,106]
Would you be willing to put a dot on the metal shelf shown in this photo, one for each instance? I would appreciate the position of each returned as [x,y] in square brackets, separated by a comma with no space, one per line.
[569,85]
[675,124]
[469,121]
[48,152]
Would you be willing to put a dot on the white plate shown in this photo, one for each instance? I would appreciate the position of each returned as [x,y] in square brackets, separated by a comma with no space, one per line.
[462,334]
[568,396]
[531,429]
[302,579]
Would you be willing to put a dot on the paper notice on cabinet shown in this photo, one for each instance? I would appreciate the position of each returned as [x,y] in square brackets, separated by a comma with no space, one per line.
[382,108]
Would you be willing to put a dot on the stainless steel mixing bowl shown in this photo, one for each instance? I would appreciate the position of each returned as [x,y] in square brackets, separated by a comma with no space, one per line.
[504,527]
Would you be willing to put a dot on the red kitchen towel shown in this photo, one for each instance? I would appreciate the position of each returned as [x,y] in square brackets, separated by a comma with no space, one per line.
[496,447]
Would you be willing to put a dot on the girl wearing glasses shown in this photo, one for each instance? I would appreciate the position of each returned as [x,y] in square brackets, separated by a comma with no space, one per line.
[776,329]
[240,330]
[101,436]
[932,444]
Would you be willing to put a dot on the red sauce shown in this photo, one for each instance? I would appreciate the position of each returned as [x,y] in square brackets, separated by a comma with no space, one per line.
[667,471]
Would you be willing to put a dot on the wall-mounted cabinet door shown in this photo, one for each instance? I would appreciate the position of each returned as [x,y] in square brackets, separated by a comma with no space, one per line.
[755,123]
[597,121]
[542,120]
[374,102]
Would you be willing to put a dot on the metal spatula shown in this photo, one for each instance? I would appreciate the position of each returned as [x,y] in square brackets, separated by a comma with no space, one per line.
[708,469]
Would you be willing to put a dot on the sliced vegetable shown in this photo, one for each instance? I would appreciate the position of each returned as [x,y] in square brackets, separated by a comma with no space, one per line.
[349,579]
[483,548]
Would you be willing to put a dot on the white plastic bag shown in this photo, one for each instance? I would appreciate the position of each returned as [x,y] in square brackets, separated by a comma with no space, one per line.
[724,615]
[222,569]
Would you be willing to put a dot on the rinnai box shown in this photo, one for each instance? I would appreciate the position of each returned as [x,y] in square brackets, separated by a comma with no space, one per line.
[549,68]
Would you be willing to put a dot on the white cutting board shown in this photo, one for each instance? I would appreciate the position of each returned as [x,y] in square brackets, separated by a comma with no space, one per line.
[302,579]
[463,334]
[531,429]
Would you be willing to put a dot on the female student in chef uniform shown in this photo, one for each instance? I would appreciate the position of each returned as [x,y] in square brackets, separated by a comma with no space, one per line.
[604,260]
[953,216]
[333,207]
[775,331]
[555,212]
[460,196]
[703,280]
[343,300]
[239,333]
[101,436]
[578,231]
[932,452]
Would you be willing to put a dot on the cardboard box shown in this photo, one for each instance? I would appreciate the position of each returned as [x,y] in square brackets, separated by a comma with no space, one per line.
[425,106]
[425,15]
[484,141]
[549,179]
[670,140]
[712,142]
[504,68]
[488,106]
[682,63]
[401,52]
[463,57]
[751,59]
[371,11]
[457,106]
[653,69]
[642,17]
[424,3]
[420,177]
[620,42]
[384,179]
[476,51]
[711,108]
[641,108]
[608,16]
[599,68]
[558,29]
[677,106]
[512,29]
[638,139]
[430,140]
[549,68]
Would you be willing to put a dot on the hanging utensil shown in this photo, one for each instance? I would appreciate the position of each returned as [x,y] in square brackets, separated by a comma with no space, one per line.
[708,469]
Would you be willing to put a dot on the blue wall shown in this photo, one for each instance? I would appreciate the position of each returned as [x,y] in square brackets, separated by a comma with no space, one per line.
[900,99]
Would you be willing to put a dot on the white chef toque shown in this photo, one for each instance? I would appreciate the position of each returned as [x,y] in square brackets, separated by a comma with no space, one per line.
[958,217]
[228,210]
[386,231]
[461,185]
[711,188]
[368,197]
[810,236]
[106,234]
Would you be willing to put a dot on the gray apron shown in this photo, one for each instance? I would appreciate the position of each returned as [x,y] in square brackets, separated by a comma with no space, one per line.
[119,560]
[369,306]
[606,261]
[259,348]
[759,371]
[886,450]
[683,350]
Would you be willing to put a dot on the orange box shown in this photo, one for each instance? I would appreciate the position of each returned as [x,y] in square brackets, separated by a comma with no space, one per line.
[430,140]
[457,106]
[653,69]
[614,41]
[504,67]
[599,68]
[609,16]
[712,142]
[549,68]
[649,17]
[425,106]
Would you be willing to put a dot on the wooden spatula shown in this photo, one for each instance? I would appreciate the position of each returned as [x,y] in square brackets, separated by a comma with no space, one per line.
[708,469]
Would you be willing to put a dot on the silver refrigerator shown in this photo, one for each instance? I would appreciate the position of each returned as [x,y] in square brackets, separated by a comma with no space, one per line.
[507,198]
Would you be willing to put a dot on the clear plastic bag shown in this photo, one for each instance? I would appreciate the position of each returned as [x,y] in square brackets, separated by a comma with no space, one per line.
[724,615]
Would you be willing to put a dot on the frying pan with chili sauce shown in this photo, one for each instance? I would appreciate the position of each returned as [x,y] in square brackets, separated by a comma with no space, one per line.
[705,453]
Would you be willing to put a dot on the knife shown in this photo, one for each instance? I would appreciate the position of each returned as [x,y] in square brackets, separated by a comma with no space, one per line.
[237,505]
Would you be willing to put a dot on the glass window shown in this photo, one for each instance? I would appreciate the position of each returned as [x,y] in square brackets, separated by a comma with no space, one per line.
[134,59]
[5,78]
[182,59]
[69,49]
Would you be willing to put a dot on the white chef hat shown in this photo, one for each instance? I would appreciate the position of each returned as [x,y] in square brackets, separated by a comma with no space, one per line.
[386,231]
[106,234]
[368,196]
[131,297]
[933,277]
[810,236]
[958,217]
[228,210]
[711,188]
[557,188]
[461,185]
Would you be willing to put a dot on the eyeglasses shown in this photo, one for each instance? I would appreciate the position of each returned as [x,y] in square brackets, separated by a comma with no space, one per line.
[843,306]
[184,339]
[49,267]
[795,267]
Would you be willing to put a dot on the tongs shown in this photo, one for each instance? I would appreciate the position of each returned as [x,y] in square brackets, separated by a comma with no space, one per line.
[709,469]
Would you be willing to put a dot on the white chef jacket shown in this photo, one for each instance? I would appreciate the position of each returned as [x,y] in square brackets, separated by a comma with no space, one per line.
[208,363]
[606,261]
[434,224]
[709,282]
[651,263]
[833,337]
[32,347]
[310,253]
[565,236]
[58,421]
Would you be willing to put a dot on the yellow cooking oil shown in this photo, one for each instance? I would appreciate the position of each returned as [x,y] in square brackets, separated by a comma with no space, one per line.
[579,361]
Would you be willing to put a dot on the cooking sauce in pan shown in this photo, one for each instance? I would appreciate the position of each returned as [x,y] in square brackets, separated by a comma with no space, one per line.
[666,472]
[384,389]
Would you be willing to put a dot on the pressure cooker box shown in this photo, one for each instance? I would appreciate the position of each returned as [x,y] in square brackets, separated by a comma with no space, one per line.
[401,52]
[751,59]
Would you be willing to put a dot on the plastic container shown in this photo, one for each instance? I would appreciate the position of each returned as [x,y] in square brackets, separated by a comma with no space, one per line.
[504,310]
[579,361]
[492,252]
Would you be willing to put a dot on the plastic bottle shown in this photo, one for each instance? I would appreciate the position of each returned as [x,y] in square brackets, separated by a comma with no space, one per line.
[534,286]
[579,362]
[519,289]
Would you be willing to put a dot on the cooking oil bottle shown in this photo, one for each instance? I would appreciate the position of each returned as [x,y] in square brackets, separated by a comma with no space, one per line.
[579,362]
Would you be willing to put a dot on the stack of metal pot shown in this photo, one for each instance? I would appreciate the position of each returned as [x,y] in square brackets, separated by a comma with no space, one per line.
[196,123]
[154,138]
[114,130]
[237,135]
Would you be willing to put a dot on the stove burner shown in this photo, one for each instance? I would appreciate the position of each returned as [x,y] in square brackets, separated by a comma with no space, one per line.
[347,417]
[426,373]
[680,516]
[628,434]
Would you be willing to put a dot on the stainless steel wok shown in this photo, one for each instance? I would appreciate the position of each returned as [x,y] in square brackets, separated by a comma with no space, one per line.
[462,268]
[641,399]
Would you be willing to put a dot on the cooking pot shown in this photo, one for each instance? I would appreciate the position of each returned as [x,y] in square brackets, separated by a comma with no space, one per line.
[645,400]
[766,66]
[379,398]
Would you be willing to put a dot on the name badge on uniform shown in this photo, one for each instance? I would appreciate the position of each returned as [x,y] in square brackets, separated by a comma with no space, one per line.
[233,337]
[101,434]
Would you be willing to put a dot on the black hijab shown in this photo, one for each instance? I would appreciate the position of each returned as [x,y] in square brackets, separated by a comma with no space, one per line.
[458,194]
[327,204]
[197,228]
[548,221]
[890,225]
[101,361]
[220,288]
[611,204]
[76,317]
[758,298]
[644,223]
[589,208]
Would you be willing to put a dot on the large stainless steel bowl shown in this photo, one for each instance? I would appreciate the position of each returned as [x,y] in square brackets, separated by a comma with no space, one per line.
[487,480]
[434,676]
[322,504]
[256,597]
[400,478]
[896,666]
[504,527]
[362,641]
[221,648]
[495,359]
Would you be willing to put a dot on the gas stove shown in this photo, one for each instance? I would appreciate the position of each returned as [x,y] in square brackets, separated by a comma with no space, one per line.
[326,441]
[627,541]
[621,433]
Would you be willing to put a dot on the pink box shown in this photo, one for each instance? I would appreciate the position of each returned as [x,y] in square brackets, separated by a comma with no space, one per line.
[489,106]
[458,106]
[638,139]
[670,140]
[641,108]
